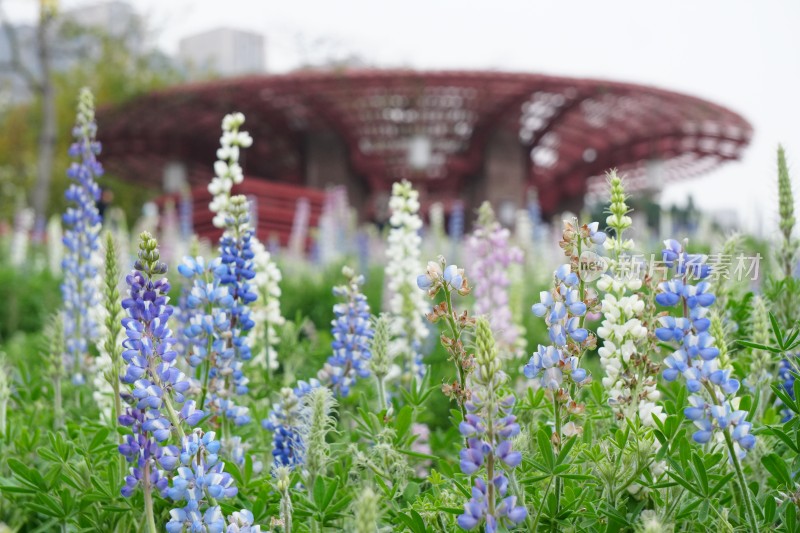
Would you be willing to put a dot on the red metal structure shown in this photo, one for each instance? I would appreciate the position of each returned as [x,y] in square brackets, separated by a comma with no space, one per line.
[486,134]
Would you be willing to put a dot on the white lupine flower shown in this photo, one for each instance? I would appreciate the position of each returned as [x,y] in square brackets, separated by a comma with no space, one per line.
[629,375]
[266,310]
[227,170]
[406,303]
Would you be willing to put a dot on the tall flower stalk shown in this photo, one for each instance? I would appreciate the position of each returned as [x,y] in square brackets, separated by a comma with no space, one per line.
[406,304]
[381,363]
[266,310]
[713,405]
[492,257]
[227,171]
[556,367]
[113,328]
[630,374]
[489,427]
[451,280]
[81,239]
[352,332]
[155,382]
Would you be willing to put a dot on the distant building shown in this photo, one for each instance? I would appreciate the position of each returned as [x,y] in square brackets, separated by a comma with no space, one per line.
[223,51]
[459,136]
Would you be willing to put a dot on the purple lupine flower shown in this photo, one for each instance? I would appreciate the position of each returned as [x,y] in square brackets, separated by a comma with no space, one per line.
[489,427]
[492,256]
[352,332]
[81,239]
[148,352]
[696,357]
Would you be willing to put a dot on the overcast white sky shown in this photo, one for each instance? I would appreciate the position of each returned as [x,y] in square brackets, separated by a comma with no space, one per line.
[739,53]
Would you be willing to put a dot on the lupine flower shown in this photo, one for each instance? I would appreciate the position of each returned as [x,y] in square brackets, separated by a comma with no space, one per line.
[451,280]
[696,358]
[82,220]
[143,451]
[352,331]
[299,234]
[492,256]
[285,421]
[489,427]
[199,482]
[365,511]
[407,306]
[242,522]
[786,372]
[156,382]
[266,310]
[317,410]
[562,309]
[630,376]
[227,170]
[235,271]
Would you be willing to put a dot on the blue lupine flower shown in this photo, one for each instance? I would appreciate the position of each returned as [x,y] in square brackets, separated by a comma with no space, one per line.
[696,358]
[189,518]
[597,237]
[285,422]
[562,308]
[551,366]
[81,239]
[148,352]
[242,522]
[199,481]
[223,288]
[786,375]
[352,331]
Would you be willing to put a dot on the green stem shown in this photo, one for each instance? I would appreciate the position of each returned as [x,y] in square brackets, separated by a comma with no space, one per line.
[148,501]
[747,501]
[541,506]
[58,408]
[381,394]
[286,511]
[557,448]
[454,331]
[520,494]
[173,417]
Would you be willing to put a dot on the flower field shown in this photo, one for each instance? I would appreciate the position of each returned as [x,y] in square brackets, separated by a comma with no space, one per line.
[410,380]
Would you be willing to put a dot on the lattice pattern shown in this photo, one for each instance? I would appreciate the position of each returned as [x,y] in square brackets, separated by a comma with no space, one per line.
[572,129]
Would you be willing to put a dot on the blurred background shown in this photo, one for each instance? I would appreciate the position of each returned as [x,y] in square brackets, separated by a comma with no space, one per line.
[526,104]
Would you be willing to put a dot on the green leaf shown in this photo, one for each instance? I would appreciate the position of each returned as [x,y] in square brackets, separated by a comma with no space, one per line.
[682,482]
[99,438]
[404,418]
[721,483]
[25,474]
[777,467]
[545,448]
[562,455]
[319,493]
[700,471]
[758,346]
[776,330]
